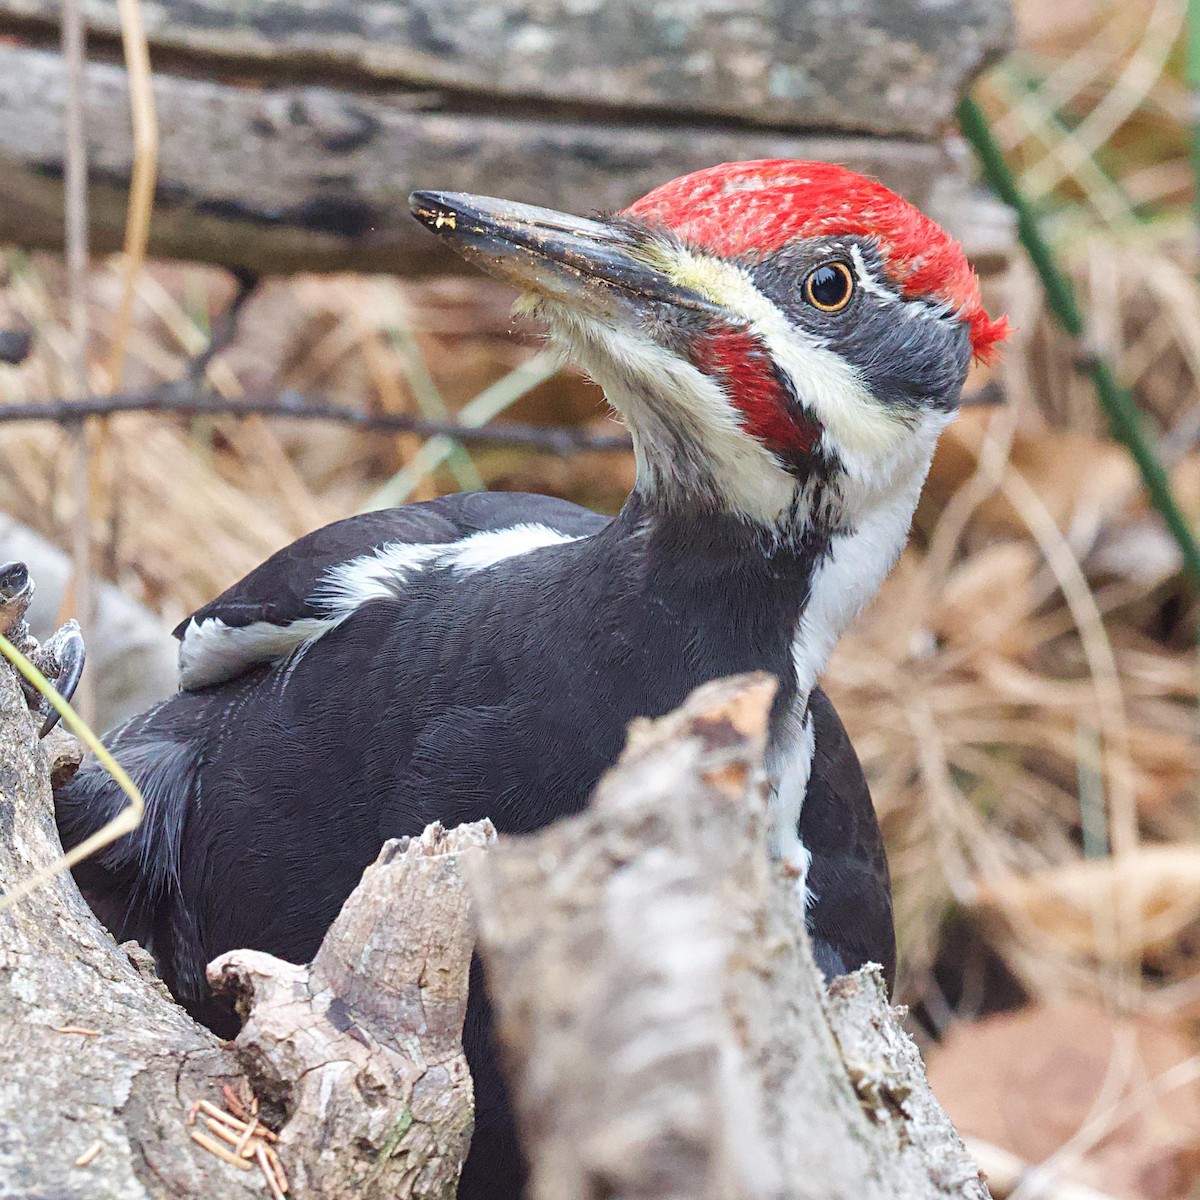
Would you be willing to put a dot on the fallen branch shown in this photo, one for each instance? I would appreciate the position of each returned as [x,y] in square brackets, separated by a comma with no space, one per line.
[665,1028]
[374,1111]
[185,398]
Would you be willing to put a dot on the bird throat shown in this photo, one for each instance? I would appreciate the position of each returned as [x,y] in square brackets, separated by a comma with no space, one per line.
[694,448]
[783,593]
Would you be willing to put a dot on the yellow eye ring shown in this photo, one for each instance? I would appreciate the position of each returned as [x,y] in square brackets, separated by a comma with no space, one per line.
[829,286]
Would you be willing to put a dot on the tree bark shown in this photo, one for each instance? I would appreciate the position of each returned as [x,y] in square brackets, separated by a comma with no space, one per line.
[291,134]
[362,1049]
[356,1059]
[873,66]
[292,177]
[665,1027]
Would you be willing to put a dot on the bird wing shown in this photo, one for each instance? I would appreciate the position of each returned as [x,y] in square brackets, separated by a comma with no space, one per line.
[287,601]
[850,915]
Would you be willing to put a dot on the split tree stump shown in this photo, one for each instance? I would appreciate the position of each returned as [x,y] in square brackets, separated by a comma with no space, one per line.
[665,1029]
[356,1058]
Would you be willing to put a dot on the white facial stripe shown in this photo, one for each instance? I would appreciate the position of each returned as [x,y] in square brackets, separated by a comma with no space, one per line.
[922,309]
[828,385]
[849,576]
[667,401]
[868,282]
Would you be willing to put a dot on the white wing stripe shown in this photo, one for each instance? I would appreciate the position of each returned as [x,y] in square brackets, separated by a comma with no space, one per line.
[211,651]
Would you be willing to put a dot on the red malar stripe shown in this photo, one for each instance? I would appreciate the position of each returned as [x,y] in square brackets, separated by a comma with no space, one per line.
[739,360]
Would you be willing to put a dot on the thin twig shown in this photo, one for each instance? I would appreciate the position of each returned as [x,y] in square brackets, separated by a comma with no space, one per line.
[74,49]
[244,1140]
[144,120]
[237,1106]
[182,398]
[75,182]
[214,1147]
[176,399]
[90,1154]
[267,1166]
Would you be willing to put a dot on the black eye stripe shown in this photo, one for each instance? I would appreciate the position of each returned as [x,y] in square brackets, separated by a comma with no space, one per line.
[829,286]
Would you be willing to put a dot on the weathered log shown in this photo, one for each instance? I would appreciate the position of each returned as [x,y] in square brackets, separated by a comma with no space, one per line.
[870,66]
[358,1062]
[125,1082]
[293,178]
[291,134]
[664,1024]
[374,1112]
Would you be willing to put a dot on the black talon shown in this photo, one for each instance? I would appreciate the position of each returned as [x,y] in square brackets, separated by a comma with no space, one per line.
[66,648]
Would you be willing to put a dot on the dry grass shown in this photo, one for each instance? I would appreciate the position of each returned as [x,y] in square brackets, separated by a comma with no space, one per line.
[188,506]
[1024,693]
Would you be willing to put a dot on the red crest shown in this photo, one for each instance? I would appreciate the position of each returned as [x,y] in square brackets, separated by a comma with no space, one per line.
[739,208]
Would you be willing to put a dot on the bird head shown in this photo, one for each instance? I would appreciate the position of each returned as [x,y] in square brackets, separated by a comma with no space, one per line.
[781,337]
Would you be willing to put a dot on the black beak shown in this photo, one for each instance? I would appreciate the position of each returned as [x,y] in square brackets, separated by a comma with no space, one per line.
[571,259]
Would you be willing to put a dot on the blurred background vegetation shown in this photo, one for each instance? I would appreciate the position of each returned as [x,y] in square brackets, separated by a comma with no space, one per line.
[1023,695]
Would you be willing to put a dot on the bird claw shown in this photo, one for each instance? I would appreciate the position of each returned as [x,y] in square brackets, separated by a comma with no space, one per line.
[63,656]
[60,658]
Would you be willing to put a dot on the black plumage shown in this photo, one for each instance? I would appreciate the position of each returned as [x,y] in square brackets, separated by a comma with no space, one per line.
[501,692]
[482,656]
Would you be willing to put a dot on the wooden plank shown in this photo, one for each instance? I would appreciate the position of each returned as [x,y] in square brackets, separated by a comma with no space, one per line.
[305,178]
[880,66]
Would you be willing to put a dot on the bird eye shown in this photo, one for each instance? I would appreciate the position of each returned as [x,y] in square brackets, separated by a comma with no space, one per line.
[829,286]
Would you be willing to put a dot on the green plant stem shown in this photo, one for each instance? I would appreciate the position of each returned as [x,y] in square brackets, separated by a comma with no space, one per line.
[1124,418]
[126,820]
[429,401]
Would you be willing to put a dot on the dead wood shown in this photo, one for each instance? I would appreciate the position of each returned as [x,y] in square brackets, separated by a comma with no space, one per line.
[133,1063]
[362,1049]
[890,66]
[665,1027]
[356,1059]
[290,135]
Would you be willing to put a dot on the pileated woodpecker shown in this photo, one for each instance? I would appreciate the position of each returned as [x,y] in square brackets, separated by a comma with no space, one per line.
[785,340]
